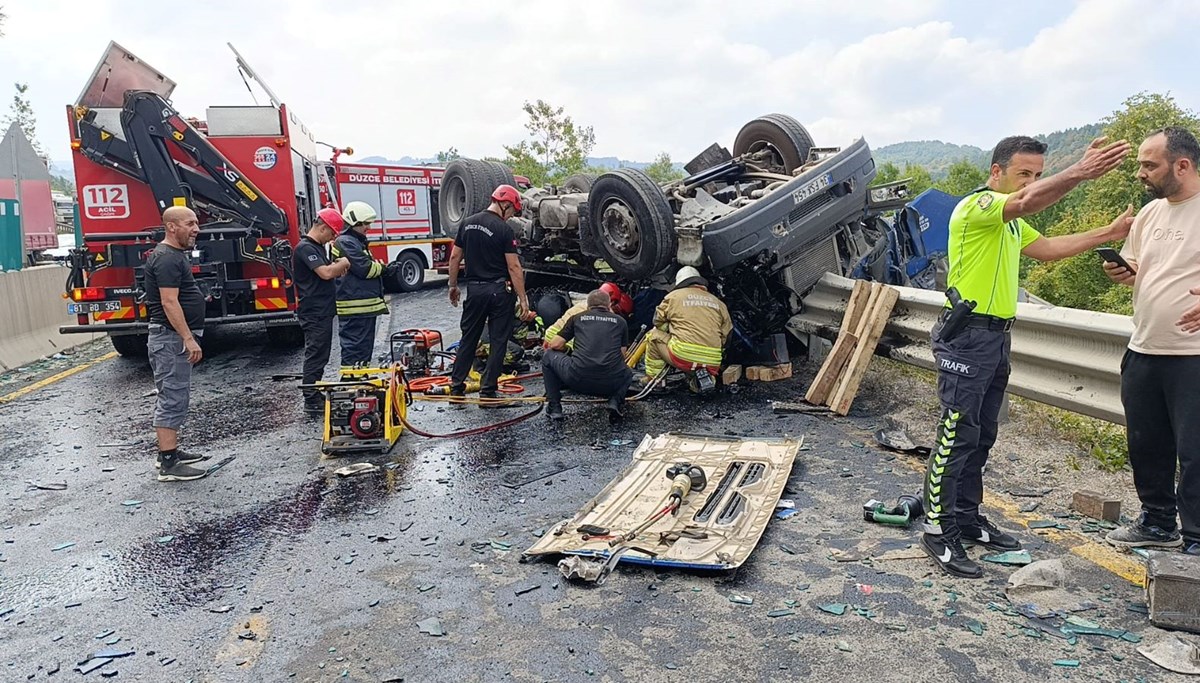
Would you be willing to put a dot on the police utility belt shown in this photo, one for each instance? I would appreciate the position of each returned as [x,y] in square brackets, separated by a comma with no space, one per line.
[987,322]
[961,315]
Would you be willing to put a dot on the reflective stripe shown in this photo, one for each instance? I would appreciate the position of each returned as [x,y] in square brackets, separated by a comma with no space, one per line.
[361,306]
[694,353]
[937,467]
[375,269]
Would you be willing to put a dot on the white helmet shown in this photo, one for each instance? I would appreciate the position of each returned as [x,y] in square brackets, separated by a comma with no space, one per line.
[685,273]
[359,213]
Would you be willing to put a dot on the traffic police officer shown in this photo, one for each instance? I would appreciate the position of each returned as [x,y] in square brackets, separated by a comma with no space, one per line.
[971,340]
[596,365]
[360,291]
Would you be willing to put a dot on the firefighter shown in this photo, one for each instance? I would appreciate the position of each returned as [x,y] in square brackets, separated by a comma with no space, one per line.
[487,243]
[315,274]
[360,291]
[596,365]
[690,327]
[621,304]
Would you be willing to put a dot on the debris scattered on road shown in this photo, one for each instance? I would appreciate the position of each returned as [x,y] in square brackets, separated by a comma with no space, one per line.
[356,468]
[131,503]
[221,610]
[1174,653]
[894,436]
[780,613]
[1072,663]
[1012,557]
[838,608]
[62,546]
[518,477]
[527,589]
[844,646]
[1096,505]
[431,626]
[47,486]
[163,540]
[1045,524]
[741,600]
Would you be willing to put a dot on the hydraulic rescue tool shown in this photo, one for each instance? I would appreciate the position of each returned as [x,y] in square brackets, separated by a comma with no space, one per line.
[685,478]
[904,512]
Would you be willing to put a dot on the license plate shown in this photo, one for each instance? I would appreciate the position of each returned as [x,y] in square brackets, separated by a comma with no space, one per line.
[93,307]
[813,187]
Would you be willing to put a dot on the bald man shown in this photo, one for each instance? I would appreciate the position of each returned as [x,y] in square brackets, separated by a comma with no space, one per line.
[176,307]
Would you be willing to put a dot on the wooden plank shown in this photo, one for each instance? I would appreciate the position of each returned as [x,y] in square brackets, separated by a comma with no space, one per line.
[861,299]
[769,373]
[855,305]
[826,380]
[873,322]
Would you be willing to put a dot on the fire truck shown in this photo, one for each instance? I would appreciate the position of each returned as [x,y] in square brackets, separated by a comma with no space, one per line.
[408,231]
[249,172]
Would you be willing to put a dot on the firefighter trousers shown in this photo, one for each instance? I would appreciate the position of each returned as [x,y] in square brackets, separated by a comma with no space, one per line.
[973,370]
[357,336]
[488,304]
[1162,416]
[318,340]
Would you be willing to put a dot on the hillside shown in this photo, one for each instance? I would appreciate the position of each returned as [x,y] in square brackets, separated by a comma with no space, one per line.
[1063,148]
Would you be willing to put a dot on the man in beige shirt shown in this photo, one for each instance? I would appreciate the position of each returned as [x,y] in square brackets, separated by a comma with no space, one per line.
[1160,373]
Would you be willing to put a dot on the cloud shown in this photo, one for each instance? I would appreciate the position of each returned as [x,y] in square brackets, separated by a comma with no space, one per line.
[397,78]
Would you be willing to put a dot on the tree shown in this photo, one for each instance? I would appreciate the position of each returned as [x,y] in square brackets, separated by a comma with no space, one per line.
[22,113]
[61,184]
[1079,282]
[446,156]
[663,170]
[557,148]
[918,179]
[962,177]
[886,173]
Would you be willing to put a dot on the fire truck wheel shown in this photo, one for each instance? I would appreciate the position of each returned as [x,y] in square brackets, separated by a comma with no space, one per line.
[411,272]
[130,345]
[287,336]
[466,190]
[788,141]
[634,226]
[580,182]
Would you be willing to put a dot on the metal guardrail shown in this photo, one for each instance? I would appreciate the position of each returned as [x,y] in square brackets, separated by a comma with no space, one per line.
[1061,356]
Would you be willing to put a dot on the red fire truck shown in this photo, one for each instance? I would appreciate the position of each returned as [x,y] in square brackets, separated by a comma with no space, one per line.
[406,199]
[250,173]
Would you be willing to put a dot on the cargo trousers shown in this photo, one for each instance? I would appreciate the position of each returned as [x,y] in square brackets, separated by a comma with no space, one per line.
[972,374]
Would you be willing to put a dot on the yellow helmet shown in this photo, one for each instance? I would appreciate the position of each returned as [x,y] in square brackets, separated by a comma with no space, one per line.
[359,213]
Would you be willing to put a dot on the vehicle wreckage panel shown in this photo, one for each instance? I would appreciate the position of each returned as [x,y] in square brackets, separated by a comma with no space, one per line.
[716,528]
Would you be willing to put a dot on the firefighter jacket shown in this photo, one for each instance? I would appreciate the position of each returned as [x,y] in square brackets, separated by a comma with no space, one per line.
[698,323]
[360,291]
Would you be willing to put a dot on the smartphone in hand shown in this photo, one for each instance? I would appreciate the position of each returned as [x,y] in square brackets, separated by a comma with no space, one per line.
[1113,256]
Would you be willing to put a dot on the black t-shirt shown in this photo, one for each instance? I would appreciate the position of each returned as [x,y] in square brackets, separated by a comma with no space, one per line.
[599,336]
[318,297]
[485,238]
[170,267]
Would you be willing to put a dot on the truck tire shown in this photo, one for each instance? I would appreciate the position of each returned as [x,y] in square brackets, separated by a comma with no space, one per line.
[410,273]
[285,336]
[580,182]
[467,186]
[633,224]
[130,345]
[782,134]
[501,175]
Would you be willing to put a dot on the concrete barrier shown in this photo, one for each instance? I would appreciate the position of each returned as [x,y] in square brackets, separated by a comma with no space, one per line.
[31,309]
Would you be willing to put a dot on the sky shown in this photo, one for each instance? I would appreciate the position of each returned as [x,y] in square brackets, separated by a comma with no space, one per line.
[405,78]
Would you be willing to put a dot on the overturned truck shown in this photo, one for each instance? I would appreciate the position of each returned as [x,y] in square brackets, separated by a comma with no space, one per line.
[762,222]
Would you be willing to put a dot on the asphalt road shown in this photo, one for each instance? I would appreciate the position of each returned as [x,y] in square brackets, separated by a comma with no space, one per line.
[274,569]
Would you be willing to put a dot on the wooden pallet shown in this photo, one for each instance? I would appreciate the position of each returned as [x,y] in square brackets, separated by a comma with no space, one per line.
[867,312]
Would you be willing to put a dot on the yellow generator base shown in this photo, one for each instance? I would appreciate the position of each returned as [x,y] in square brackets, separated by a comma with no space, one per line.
[369,399]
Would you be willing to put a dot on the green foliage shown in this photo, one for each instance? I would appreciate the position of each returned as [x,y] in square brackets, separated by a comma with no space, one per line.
[663,170]
[61,184]
[22,113]
[962,177]
[1079,282]
[446,156]
[557,147]
[934,155]
[918,177]
[887,172]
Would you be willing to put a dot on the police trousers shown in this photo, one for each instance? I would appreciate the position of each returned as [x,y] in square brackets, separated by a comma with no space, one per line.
[973,370]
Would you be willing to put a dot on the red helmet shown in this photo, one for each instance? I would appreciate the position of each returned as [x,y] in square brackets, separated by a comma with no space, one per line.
[508,193]
[332,218]
[621,303]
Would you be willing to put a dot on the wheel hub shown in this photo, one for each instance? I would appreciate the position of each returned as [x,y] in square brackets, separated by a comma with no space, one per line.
[620,229]
[454,194]
[409,273]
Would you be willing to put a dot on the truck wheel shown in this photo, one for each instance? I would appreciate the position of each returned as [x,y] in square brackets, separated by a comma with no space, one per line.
[285,336]
[130,345]
[634,226]
[782,134]
[466,190]
[580,182]
[411,272]
[501,175]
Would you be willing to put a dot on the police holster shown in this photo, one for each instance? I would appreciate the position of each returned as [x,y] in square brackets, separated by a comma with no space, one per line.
[954,321]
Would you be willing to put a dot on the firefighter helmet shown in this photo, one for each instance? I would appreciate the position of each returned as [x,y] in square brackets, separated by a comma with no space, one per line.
[359,213]
[331,218]
[686,273]
[508,193]
[622,305]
